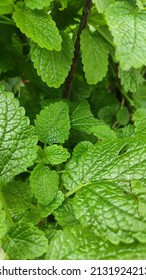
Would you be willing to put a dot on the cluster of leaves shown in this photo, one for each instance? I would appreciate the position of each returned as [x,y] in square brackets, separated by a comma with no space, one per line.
[72,170]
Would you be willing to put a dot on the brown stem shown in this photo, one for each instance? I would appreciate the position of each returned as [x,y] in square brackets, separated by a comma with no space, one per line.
[83,22]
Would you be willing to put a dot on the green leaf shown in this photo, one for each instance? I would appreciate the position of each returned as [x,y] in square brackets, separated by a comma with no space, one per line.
[73,243]
[123,116]
[55,154]
[44,184]
[120,160]
[64,214]
[129,38]
[17,196]
[131,80]
[37,4]
[6,6]
[111,209]
[37,25]
[80,247]
[53,66]
[101,5]
[82,119]
[80,149]
[48,210]
[3,225]
[53,123]
[6,61]
[140,122]
[17,140]
[103,131]
[24,241]
[94,56]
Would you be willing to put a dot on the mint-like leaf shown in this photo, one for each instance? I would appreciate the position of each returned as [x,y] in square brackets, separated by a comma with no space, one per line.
[53,123]
[48,209]
[6,7]
[44,184]
[37,25]
[24,241]
[3,225]
[131,80]
[37,4]
[101,5]
[55,154]
[140,122]
[129,38]
[53,66]
[94,56]
[17,140]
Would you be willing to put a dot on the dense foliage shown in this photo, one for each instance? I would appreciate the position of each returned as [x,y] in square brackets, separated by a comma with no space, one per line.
[73,129]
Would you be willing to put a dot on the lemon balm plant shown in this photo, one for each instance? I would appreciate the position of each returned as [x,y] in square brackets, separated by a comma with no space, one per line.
[73,129]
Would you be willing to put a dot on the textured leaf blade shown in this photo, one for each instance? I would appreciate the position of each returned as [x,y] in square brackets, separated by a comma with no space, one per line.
[44,184]
[6,7]
[56,154]
[17,138]
[38,26]
[140,122]
[111,209]
[129,38]
[48,210]
[101,5]
[94,56]
[53,123]
[37,4]
[24,241]
[53,66]
[3,224]
[131,80]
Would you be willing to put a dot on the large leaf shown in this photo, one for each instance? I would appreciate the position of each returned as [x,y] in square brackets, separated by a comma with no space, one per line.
[101,5]
[129,38]
[17,140]
[94,56]
[53,66]
[37,4]
[55,154]
[53,124]
[113,210]
[37,25]
[44,184]
[24,241]
[84,245]
[131,80]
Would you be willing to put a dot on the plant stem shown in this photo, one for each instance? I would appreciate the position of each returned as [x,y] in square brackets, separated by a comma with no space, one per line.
[83,22]
[4,205]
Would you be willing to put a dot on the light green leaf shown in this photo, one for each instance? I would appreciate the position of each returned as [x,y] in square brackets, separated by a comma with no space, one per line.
[101,5]
[120,160]
[111,209]
[80,149]
[123,116]
[37,25]
[55,154]
[44,184]
[103,131]
[82,119]
[129,38]
[6,6]
[53,66]
[131,80]
[17,196]
[73,243]
[53,123]
[45,211]
[64,214]
[3,224]
[24,241]
[80,247]
[94,56]
[140,122]
[17,140]
[37,4]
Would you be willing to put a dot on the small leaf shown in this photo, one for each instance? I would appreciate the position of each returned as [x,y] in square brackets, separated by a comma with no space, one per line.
[140,122]
[44,184]
[55,154]
[103,131]
[123,116]
[94,56]
[24,241]
[37,4]
[17,140]
[53,66]
[48,210]
[129,38]
[131,80]
[37,25]
[53,124]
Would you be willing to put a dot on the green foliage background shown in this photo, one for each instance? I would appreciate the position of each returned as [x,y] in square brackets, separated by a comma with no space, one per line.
[72,140]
